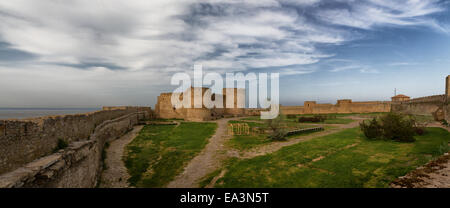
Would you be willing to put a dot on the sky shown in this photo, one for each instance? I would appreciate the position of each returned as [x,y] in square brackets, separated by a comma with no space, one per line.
[90,53]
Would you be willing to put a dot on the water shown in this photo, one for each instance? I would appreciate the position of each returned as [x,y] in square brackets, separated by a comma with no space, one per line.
[18,113]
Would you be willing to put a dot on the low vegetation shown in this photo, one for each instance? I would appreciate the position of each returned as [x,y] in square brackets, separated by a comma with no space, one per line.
[392,126]
[343,159]
[160,152]
[260,137]
[276,128]
[61,144]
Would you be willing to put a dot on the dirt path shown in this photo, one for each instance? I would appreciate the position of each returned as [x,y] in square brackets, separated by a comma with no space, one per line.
[207,161]
[116,175]
[275,146]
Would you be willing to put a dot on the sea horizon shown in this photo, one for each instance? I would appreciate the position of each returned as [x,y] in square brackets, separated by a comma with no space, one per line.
[33,112]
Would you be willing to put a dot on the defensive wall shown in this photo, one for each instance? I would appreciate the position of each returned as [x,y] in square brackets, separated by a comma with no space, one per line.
[29,154]
[436,105]
[429,105]
[342,106]
[447,99]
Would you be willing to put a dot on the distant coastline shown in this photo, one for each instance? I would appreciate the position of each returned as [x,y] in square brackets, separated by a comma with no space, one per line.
[20,113]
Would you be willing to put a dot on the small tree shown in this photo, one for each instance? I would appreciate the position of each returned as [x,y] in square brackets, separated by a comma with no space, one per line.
[398,127]
[392,126]
[372,129]
[278,133]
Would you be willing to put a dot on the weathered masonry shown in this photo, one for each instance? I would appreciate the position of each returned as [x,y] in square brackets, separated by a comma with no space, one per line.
[165,109]
[436,105]
[29,157]
[342,106]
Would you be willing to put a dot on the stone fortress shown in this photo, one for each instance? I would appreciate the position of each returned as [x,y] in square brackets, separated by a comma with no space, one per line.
[165,109]
[28,147]
[431,105]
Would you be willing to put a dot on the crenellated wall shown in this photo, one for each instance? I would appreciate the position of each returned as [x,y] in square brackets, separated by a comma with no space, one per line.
[342,106]
[25,140]
[436,105]
[429,105]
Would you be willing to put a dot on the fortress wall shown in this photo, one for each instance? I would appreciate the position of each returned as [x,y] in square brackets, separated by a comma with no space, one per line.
[164,108]
[447,112]
[77,166]
[447,99]
[198,114]
[429,105]
[292,110]
[343,106]
[22,141]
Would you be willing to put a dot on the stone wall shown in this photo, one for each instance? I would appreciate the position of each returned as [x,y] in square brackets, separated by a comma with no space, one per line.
[342,106]
[22,141]
[447,99]
[165,109]
[430,105]
[79,165]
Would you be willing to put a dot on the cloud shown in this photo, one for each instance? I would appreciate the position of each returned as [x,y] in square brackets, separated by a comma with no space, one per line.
[403,64]
[377,13]
[108,45]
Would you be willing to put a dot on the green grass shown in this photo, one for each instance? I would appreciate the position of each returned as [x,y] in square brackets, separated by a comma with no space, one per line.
[336,120]
[245,142]
[208,178]
[368,163]
[160,152]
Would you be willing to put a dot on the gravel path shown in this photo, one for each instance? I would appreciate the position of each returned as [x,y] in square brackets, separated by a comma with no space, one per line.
[116,175]
[207,161]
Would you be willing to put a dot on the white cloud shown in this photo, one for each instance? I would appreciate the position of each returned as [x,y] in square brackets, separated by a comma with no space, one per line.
[372,13]
[78,44]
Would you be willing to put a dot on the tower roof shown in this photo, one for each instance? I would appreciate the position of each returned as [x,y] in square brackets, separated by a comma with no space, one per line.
[400,96]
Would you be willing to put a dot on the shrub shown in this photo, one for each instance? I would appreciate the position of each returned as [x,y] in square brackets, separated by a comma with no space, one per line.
[61,144]
[398,127]
[314,119]
[372,130]
[278,133]
[291,116]
[392,126]
[443,148]
[419,128]
[445,122]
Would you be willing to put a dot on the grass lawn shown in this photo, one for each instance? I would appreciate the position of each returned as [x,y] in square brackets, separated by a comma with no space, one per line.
[245,142]
[336,120]
[343,159]
[160,152]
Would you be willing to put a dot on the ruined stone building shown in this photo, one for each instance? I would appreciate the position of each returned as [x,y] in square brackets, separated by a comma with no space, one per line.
[400,98]
[165,109]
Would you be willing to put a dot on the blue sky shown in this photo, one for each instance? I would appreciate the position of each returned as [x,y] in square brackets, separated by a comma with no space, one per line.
[88,53]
